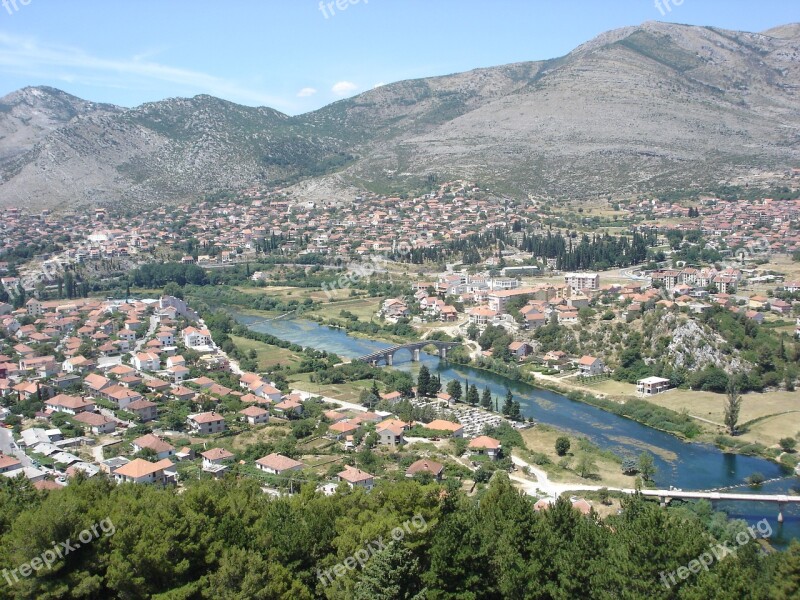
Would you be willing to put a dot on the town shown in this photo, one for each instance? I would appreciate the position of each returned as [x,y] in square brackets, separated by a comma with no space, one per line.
[97,377]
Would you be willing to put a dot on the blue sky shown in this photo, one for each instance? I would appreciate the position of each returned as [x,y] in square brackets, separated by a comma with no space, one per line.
[294,56]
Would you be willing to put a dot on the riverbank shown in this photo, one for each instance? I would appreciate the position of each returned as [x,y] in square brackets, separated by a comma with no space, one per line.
[660,417]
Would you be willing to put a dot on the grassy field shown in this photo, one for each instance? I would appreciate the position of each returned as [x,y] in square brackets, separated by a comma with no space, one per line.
[778,413]
[348,392]
[267,355]
[301,293]
[542,438]
[274,431]
[363,308]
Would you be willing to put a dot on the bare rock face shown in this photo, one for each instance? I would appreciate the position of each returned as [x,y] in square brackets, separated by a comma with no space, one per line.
[694,348]
[654,108]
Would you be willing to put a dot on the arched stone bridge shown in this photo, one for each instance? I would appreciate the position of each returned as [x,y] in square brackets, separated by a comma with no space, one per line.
[387,355]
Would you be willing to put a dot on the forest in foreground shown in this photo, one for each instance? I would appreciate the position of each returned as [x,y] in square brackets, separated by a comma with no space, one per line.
[228,540]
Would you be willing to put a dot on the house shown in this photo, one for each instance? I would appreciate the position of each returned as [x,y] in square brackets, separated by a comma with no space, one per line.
[276,464]
[196,338]
[255,415]
[590,365]
[456,430]
[72,405]
[77,364]
[289,407]
[357,478]
[390,432]
[342,429]
[214,461]
[205,423]
[650,386]
[144,409]
[144,471]
[780,306]
[129,335]
[425,465]
[96,423]
[392,397]
[178,373]
[146,361]
[121,396]
[485,444]
[152,442]
[9,463]
[110,465]
[34,307]
[175,361]
[555,357]
[582,281]
[520,349]
[755,316]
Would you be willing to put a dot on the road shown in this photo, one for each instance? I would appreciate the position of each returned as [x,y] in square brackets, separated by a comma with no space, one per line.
[8,446]
[552,489]
[151,329]
[305,395]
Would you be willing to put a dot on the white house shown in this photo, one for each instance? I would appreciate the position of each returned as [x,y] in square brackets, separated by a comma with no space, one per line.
[144,471]
[146,361]
[277,464]
[650,386]
[357,478]
[193,337]
[72,405]
[255,415]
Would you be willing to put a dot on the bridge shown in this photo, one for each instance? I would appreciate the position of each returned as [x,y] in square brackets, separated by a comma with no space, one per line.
[387,355]
[781,500]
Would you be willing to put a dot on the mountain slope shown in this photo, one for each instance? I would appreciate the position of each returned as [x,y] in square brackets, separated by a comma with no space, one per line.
[640,109]
[650,108]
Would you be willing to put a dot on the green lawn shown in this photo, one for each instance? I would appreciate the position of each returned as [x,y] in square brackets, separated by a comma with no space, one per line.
[348,392]
[267,355]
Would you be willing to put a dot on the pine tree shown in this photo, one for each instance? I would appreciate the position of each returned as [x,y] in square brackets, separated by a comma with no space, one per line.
[472,395]
[508,405]
[424,381]
[454,389]
[486,399]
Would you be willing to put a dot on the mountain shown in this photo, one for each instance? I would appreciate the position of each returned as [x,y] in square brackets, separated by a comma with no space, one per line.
[653,108]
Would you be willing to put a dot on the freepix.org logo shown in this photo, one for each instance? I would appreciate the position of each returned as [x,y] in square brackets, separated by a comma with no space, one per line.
[59,550]
[12,6]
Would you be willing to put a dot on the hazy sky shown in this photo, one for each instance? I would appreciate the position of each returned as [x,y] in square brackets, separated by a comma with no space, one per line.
[298,55]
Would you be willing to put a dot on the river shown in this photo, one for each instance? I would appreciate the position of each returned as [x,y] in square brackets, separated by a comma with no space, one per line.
[685,465]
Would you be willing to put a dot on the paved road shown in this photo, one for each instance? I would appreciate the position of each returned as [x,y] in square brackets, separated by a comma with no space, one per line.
[151,329]
[9,446]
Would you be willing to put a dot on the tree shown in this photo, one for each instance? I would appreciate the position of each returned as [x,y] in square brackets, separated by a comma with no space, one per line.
[733,404]
[472,395]
[423,381]
[788,444]
[173,289]
[586,466]
[392,573]
[486,399]
[562,445]
[515,414]
[435,386]
[647,466]
[473,332]
[454,389]
[507,406]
